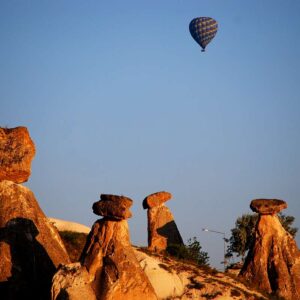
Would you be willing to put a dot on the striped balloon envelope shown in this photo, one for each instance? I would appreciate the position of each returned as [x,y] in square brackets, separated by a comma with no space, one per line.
[203,30]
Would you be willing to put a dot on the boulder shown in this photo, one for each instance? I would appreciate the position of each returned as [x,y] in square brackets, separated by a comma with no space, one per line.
[30,247]
[113,206]
[156,199]
[111,263]
[267,206]
[16,153]
[72,282]
[273,262]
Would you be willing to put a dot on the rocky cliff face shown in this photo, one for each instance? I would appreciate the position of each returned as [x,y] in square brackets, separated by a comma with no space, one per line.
[273,263]
[16,153]
[162,229]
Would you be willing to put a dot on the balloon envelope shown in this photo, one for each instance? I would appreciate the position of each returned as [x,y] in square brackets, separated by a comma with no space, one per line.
[203,30]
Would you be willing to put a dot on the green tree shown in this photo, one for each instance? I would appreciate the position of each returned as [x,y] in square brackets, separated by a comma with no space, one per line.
[242,235]
[192,251]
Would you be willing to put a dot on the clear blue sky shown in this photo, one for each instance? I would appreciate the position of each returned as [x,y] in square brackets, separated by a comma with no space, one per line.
[119,99]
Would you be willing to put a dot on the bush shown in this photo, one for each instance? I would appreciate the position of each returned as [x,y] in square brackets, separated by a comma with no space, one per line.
[191,252]
[74,243]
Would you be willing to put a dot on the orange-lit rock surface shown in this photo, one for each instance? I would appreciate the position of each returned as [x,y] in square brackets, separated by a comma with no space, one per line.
[273,263]
[156,199]
[16,153]
[30,246]
[267,206]
[112,264]
[113,206]
[162,229]
[108,266]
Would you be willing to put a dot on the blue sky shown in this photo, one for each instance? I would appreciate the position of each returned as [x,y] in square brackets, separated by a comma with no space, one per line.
[119,99]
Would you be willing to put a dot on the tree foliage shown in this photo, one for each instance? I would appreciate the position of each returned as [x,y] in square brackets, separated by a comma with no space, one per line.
[192,252]
[243,234]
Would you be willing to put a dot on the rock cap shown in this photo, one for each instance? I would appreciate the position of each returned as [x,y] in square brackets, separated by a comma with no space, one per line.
[267,206]
[113,206]
[16,153]
[156,199]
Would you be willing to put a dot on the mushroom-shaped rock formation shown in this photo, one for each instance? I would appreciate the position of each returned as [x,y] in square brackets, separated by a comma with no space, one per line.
[108,258]
[273,262]
[267,206]
[162,229]
[112,206]
[16,153]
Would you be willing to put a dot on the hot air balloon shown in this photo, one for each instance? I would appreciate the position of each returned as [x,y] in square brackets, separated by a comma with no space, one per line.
[203,30]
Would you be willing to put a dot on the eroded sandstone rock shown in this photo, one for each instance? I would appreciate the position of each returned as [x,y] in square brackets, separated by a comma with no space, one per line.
[165,281]
[30,247]
[113,271]
[162,229]
[112,265]
[113,206]
[16,153]
[72,282]
[156,199]
[273,262]
[267,206]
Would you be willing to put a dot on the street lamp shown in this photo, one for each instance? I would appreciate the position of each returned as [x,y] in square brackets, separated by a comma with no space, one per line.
[223,233]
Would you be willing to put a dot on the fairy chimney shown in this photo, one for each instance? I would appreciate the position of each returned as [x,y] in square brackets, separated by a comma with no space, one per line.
[273,262]
[108,258]
[162,229]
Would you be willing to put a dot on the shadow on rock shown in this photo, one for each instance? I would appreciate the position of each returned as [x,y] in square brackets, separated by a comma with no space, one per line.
[171,233]
[31,267]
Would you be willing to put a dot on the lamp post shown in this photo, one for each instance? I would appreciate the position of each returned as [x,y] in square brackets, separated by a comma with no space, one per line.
[223,233]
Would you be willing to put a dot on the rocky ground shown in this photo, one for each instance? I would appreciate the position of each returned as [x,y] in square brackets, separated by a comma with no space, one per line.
[172,278]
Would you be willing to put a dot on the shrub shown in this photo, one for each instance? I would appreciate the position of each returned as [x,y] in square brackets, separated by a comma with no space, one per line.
[74,243]
[191,252]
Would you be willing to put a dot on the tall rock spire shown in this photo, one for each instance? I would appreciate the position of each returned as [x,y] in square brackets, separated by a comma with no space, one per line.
[162,229]
[273,262]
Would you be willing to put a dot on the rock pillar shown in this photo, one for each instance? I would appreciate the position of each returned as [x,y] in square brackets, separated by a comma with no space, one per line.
[108,260]
[273,262]
[162,229]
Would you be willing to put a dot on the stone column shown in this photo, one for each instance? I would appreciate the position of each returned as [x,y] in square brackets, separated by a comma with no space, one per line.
[273,262]
[162,229]
[109,257]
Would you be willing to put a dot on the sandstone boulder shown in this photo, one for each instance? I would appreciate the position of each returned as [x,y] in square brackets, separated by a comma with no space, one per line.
[267,206]
[156,199]
[16,153]
[113,206]
[72,282]
[30,247]
[273,262]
